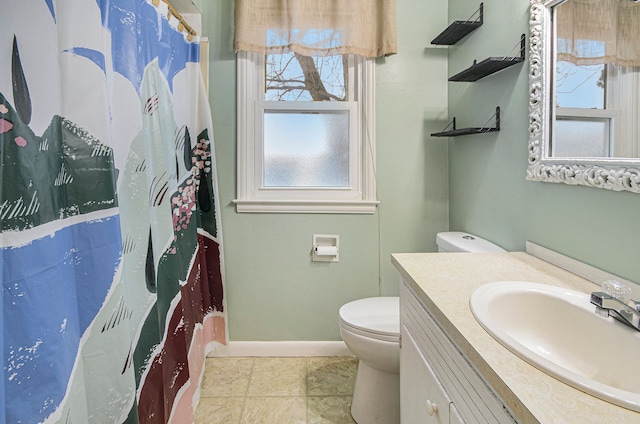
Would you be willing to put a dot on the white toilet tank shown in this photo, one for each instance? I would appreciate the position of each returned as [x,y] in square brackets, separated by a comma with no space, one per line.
[456,241]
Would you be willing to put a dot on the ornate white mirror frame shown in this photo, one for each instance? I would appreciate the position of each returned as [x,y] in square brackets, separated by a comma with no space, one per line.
[608,173]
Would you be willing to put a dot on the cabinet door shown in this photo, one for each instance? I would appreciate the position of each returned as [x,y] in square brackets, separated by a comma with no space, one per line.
[423,400]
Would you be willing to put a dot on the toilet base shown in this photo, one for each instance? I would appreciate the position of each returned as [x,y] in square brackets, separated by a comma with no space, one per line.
[376,397]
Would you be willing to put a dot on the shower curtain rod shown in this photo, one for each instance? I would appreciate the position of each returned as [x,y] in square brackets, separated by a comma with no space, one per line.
[184,26]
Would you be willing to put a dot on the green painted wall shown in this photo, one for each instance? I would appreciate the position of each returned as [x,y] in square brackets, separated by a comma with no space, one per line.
[274,290]
[488,192]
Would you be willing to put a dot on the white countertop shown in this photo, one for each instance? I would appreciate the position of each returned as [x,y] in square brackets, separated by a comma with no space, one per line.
[444,283]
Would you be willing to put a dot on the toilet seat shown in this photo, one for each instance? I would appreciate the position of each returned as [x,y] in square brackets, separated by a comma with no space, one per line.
[374,317]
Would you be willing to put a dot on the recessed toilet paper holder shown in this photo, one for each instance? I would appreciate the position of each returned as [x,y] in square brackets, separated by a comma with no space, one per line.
[325,248]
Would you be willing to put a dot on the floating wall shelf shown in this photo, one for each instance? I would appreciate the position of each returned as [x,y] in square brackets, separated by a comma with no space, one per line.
[458,30]
[489,66]
[466,131]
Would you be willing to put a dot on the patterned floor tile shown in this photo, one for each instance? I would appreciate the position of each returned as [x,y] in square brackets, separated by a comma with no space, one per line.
[292,390]
[278,377]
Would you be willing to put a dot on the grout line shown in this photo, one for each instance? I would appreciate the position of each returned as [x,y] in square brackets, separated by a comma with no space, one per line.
[306,389]
[246,392]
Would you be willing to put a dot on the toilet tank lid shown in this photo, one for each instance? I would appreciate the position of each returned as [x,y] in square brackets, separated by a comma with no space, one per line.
[457,241]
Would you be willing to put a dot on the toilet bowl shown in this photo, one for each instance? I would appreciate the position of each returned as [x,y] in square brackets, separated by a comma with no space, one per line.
[370,328]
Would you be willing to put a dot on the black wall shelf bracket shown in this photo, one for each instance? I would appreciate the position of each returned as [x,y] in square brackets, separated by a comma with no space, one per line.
[451,131]
[459,29]
[490,66]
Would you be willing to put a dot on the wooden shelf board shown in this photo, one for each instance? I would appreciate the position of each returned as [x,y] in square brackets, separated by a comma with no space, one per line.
[455,32]
[487,67]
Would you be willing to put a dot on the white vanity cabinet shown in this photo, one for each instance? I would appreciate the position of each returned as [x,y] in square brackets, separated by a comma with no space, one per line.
[437,383]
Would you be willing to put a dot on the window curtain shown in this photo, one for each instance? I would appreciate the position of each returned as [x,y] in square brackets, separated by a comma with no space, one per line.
[110,233]
[316,27]
[595,32]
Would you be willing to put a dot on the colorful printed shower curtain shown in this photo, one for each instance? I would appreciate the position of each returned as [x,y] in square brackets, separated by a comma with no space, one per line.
[110,233]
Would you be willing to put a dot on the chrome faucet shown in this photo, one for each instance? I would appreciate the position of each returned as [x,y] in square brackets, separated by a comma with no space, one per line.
[614,301]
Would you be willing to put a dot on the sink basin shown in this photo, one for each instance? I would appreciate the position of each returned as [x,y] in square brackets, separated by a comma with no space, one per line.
[557,331]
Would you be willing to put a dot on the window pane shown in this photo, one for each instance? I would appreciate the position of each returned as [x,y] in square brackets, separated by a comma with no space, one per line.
[306,149]
[580,86]
[293,77]
[575,137]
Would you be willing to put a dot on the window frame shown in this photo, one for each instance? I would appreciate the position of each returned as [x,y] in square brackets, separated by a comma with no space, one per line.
[252,196]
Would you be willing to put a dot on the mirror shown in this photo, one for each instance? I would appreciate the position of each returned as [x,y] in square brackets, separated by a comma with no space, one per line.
[584,93]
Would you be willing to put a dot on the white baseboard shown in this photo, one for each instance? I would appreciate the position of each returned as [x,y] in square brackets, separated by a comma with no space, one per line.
[286,348]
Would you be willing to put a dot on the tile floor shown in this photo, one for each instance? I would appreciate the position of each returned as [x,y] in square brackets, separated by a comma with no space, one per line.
[307,390]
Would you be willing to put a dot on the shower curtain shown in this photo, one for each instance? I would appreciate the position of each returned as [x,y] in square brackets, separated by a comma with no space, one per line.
[109,218]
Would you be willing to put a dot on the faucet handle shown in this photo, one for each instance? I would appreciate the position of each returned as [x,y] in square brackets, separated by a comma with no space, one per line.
[617,290]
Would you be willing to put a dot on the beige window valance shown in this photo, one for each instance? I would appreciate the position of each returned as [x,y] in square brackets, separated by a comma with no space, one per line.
[594,32]
[316,27]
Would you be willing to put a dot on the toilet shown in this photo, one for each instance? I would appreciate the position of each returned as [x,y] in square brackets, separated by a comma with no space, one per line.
[370,328]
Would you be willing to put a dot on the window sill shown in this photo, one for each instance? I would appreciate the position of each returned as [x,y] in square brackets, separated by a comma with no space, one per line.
[306,206]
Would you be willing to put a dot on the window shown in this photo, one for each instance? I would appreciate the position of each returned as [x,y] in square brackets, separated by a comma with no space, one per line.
[595,115]
[597,79]
[305,134]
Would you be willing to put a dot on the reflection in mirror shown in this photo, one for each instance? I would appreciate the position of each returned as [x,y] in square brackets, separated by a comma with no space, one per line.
[595,80]
[584,86]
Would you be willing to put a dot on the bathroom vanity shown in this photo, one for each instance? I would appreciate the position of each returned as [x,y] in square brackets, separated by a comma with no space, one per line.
[453,371]
[438,384]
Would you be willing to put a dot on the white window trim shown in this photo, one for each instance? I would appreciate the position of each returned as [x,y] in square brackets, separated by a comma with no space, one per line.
[360,198]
